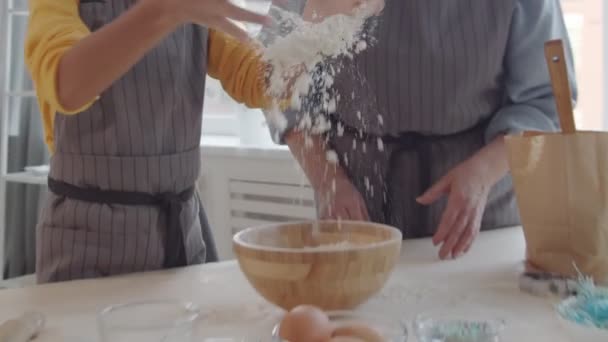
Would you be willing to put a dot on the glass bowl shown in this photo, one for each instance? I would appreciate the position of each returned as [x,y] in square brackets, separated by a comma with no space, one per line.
[458,328]
[150,321]
[391,329]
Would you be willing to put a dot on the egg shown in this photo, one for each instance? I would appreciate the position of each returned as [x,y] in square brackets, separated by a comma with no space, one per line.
[306,324]
[359,331]
[346,339]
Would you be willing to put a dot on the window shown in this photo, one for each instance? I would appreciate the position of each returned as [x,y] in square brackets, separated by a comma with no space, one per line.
[588,28]
[220,110]
[223,116]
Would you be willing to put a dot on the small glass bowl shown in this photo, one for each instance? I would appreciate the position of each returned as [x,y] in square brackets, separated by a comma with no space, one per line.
[392,330]
[152,321]
[456,328]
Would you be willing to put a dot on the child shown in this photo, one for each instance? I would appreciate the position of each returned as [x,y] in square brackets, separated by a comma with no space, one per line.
[120,85]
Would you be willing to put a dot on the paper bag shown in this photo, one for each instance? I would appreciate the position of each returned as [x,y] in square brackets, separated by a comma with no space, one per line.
[561,186]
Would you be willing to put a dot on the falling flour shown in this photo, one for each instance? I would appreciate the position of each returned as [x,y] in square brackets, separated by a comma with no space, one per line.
[293,57]
[332,157]
[340,129]
[380,145]
[304,59]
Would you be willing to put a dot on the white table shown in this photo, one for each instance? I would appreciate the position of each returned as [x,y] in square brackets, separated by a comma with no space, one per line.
[485,278]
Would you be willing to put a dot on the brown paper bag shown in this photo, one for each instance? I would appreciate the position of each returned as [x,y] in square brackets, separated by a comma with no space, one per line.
[561,185]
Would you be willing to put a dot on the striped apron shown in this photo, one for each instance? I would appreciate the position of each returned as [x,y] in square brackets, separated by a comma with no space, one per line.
[432,80]
[122,180]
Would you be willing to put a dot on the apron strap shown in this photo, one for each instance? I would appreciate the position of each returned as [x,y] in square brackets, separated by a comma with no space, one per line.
[420,145]
[171,203]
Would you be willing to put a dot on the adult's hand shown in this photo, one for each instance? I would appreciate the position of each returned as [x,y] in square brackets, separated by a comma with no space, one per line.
[467,187]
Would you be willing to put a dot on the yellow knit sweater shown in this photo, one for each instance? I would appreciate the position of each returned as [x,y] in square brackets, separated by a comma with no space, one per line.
[55,26]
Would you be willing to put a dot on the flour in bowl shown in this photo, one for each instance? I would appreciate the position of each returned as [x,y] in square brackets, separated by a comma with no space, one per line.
[331,246]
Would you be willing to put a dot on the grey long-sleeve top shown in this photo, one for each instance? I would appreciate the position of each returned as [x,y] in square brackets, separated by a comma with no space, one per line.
[442,66]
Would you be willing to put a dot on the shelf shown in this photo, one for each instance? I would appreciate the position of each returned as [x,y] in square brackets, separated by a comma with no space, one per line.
[26,178]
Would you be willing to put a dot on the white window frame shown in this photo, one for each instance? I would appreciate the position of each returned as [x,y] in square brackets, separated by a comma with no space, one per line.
[229,124]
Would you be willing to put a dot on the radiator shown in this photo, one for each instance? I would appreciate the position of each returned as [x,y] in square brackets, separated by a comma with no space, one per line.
[246,190]
[254,203]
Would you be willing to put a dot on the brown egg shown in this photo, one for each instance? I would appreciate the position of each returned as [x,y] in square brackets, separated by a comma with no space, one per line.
[306,324]
[346,339]
[359,331]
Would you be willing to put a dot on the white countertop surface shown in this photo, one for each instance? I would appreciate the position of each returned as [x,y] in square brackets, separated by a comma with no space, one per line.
[485,279]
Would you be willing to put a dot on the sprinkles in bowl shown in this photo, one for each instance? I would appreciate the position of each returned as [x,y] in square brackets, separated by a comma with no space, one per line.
[449,329]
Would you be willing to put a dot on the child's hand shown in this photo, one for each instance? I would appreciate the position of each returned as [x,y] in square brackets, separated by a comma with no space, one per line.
[340,200]
[215,14]
[318,10]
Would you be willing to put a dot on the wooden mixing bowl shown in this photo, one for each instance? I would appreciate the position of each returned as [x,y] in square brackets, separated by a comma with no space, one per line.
[333,265]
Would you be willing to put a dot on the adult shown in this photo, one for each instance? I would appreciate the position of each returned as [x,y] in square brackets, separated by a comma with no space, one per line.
[421,140]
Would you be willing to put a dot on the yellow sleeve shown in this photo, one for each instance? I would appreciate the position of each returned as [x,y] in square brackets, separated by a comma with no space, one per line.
[239,68]
[54,27]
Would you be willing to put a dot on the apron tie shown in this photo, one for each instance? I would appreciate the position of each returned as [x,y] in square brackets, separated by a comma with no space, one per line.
[170,203]
[173,204]
[420,145]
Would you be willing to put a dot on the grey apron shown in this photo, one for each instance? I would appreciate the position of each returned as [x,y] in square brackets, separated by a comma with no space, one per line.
[432,80]
[123,174]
